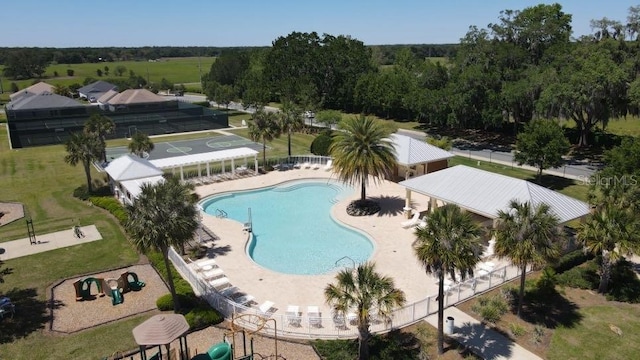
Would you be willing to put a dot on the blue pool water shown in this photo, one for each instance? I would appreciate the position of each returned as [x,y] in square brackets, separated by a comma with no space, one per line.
[293,230]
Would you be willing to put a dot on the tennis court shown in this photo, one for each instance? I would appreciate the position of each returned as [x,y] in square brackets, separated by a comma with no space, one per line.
[164,150]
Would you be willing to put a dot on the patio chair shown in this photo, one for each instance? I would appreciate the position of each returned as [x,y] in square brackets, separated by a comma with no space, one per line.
[329,165]
[220,283]
[314,315]
[423,223]
[266,308]
[6,307]
[212,274]
[339,321]
[244,300]
[294,317]
[316,166]
[411,222]
[306,165]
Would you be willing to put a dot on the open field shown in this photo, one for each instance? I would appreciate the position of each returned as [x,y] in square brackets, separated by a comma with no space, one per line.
[175,70]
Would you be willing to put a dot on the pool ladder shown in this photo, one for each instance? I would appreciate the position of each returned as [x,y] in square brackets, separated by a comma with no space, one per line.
[343,258]
[221,214]
[248,226]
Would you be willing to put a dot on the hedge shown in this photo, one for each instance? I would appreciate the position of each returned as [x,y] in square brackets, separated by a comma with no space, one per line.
[112,205]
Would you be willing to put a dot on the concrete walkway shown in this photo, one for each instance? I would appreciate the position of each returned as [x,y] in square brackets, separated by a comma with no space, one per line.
[482,341]
[45,242]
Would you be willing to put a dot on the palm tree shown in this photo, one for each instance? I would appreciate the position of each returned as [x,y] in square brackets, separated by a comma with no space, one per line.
[449,242]
[362,149]
[527,235]
[140,144]
[101,126]
[83,148]
[263,128]
[366,291]
[163,215]
[290,121]
[609,232]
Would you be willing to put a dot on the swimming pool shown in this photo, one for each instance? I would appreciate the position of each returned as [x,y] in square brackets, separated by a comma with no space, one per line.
[293,230]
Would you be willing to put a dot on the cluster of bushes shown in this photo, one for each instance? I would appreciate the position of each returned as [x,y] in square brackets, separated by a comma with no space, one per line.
[491,309]
[321,143]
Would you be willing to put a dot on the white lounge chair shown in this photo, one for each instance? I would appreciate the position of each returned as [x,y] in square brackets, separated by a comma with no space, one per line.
[293,315]
[423,222]
[329,165]
[315,318]
[411,222]
[266,308]
[316,166]
[220,283]
[244,299]
[212,274]
[306,165]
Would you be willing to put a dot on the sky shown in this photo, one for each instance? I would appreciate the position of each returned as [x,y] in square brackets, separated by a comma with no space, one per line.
[135,23]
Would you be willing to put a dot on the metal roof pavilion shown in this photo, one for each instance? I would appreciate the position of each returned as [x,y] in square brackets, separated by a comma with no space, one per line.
[206,158]
[486,193]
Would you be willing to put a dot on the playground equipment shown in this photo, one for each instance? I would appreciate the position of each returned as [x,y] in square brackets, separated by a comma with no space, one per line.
[220,351]
[83,288]
[116,291]
[128,281]
[236,328]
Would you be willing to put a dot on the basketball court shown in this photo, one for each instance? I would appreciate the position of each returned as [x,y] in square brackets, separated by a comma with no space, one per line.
[163,150]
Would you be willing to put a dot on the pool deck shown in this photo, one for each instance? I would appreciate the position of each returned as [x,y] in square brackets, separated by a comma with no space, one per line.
[393,253]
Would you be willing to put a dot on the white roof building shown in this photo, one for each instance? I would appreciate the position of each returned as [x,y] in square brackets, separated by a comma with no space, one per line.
[129,167]
[485,193]
[410,151]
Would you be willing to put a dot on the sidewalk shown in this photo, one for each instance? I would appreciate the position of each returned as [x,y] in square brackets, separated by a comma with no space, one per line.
[45,242]
[482,341]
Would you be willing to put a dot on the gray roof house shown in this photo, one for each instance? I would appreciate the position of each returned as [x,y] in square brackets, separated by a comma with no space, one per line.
[37,88]
[44,100]
[95,90]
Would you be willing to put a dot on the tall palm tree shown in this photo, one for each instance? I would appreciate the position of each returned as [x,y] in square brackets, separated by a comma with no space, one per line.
[290,121]
[263,128]
[362,149]
[100,125]
[83,148]
[366,291]
[448,243]
[140,144]
[527,234]
[163,215]
[609,232]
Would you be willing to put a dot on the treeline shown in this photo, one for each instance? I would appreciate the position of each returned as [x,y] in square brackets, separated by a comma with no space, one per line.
[512,71]
[109,54]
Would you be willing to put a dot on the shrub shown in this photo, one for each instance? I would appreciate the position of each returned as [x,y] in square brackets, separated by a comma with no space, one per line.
[112,205]
[546,283]
[202,103]
[187,301]
[571,260]
[624,284]
[70,72]
[202,316]
[320,145]
[490,309]
[165,302]
[581,277]
[517,330]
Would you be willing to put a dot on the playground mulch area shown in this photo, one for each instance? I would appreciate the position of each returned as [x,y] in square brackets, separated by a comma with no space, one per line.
[70,315]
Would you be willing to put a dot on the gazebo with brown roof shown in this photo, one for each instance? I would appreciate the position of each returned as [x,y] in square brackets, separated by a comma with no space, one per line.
[160,330]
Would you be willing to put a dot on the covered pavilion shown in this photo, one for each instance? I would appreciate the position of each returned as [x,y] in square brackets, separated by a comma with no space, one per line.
[160,330]
[485,193]
[179,162]
[416,157]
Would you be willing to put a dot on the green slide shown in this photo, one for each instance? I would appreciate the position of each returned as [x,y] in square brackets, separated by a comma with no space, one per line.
[116,297]
[220,351]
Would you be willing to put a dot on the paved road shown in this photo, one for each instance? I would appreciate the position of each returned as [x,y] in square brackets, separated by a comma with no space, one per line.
[574,169]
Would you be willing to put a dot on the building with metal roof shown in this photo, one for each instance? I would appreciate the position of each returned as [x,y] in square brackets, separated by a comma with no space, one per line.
[485,193]
[416,157]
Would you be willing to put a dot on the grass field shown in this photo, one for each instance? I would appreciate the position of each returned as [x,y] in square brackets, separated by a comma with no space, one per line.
[176,70]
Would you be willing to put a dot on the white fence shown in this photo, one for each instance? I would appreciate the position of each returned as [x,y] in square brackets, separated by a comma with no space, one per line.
[328,328]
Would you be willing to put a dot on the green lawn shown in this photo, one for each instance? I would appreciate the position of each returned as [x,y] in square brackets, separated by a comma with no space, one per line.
[300,143]
[40,179]
[176,70]
[591,338]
